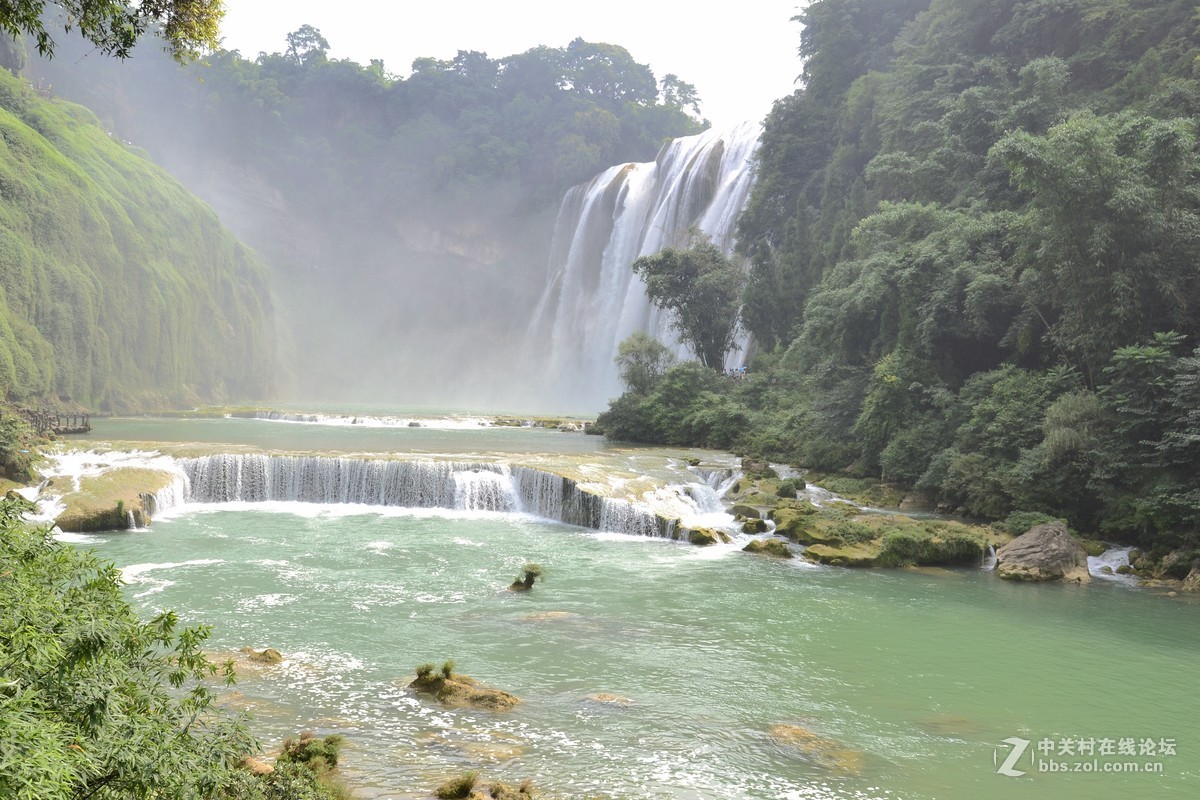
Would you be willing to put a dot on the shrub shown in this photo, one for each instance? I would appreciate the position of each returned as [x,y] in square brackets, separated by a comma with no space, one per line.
[457,788]
[1019,522]
[319,755]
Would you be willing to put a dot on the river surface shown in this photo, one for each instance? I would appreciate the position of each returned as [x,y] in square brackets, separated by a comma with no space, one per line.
[721,675]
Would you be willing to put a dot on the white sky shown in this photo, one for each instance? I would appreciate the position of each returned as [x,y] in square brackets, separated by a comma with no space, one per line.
[740,56]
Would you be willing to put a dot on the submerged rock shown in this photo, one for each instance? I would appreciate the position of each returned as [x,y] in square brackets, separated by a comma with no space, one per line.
[829,754]
[609,699]
[1045,552]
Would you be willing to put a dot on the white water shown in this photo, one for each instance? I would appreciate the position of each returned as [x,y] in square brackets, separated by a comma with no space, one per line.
[355,483]
[1113,558]
[448,423]
[592,299]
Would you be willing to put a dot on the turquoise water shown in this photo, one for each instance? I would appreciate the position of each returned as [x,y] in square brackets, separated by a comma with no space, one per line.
[270,435]
[922,673]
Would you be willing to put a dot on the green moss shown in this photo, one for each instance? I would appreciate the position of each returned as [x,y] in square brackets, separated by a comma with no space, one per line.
[120,289]
[896,541]
[1093,547]
[864,491]
[776,548]
[102,500]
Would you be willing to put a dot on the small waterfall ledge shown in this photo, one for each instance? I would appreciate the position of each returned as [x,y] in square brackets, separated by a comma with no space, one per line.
[462,485]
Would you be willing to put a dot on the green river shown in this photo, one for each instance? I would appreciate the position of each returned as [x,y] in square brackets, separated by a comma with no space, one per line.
[721,675]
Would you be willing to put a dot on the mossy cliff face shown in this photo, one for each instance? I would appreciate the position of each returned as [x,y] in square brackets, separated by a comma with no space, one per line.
[118,289]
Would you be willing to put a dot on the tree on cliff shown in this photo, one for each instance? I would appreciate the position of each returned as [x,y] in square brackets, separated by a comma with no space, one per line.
[641,361]
[702,288]
[188,26]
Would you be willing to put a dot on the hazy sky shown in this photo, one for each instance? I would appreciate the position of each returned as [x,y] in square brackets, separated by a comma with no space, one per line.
[740,56]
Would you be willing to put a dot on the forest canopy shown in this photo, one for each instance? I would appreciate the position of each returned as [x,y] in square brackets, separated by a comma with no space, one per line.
[975,263]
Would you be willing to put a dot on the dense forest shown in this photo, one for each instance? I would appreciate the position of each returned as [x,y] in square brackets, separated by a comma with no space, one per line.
[118,289]
[406,220]
[975,265]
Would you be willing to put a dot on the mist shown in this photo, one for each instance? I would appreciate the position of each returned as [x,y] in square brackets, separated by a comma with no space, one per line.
[407,224]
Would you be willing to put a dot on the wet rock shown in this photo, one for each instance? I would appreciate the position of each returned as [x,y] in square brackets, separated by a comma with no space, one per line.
[829,754]
[776,548]
[753,526]
[1192,582]
[756,468]
[1045,552]
[549,616]
[608,699]
[462,690]
[743,510]
[703,537]
[267,656]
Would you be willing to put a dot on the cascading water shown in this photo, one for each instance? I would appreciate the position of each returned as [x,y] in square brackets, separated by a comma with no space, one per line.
[593,300]
[473,486]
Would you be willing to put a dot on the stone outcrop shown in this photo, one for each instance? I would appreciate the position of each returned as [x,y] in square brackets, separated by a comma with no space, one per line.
[1046,552]
[461,690]
[1192,582]
[776,548]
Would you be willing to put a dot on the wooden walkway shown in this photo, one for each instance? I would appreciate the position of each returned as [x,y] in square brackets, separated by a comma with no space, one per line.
[52,421]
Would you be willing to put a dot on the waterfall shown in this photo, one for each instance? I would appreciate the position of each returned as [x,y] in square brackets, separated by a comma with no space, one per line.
[592,299]
[989,558]
[474,486]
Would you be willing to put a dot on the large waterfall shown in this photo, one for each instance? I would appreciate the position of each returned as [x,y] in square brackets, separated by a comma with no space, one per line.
[593,300]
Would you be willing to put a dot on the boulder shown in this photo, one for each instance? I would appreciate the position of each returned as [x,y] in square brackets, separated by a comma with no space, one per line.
[917,501]
[267,656]
[1192,582]
[776,548]
[747,511]
[754,468]
[257,766]
[797,524]
[823,752]
[462,690]
[703,537]
[755,525]
[1045,552]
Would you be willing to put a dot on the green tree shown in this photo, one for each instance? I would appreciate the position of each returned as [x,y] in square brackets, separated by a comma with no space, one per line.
[306,45]
[702,288]
[94,702]
[13,55]
[189,27]
[641,361]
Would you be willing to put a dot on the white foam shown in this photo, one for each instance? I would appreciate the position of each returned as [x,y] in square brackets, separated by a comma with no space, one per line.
[78,538]
[445,423]
[134,572]
[1112,558]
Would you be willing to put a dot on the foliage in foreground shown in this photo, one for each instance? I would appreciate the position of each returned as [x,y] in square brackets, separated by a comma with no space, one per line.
[97,704]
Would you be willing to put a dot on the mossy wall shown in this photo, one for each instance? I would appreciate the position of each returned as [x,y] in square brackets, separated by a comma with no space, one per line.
[118,289]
